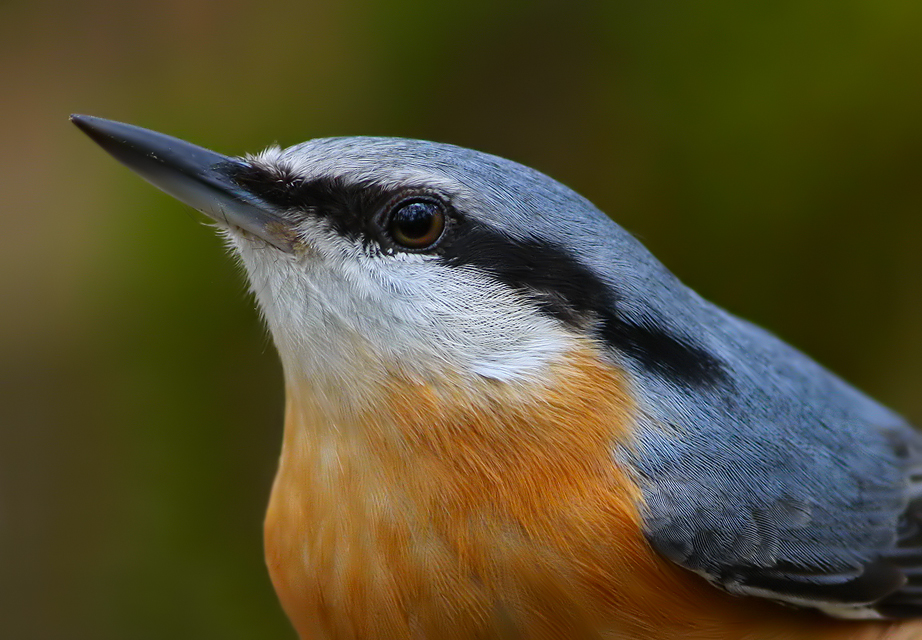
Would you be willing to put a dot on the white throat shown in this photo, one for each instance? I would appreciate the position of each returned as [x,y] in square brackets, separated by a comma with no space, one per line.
[343,316]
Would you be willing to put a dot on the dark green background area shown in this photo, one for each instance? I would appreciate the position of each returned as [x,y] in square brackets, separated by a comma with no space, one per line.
[769,153]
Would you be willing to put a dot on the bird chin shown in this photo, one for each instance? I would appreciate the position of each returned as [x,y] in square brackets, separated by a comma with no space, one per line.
[281,240]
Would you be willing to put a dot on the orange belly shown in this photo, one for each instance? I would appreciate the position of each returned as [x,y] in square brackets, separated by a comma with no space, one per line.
[438,511]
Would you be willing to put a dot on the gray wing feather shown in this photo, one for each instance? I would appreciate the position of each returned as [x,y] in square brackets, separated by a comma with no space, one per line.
[783,482]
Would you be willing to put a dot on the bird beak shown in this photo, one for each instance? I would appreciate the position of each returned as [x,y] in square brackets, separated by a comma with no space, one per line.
[194,175]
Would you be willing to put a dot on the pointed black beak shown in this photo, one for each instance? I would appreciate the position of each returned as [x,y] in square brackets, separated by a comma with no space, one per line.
[194,175]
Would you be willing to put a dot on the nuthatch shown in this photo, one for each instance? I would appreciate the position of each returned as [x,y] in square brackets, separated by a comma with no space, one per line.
[506,419]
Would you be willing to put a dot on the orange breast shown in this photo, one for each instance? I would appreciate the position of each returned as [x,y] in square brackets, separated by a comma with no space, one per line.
[441,511]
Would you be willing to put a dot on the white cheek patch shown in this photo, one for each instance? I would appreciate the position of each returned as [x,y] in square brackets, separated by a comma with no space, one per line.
[343,313]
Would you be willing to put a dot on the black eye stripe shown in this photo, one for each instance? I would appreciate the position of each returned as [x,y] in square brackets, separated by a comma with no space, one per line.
[357,211]
[567,290]
[562,286]
[349,207]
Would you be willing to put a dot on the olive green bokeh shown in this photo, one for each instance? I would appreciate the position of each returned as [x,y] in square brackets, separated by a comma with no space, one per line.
[770,155]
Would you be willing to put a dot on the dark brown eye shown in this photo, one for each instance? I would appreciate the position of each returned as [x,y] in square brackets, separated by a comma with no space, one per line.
[417,224]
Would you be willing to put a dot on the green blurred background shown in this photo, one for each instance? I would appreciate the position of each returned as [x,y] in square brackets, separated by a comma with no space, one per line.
[769,153]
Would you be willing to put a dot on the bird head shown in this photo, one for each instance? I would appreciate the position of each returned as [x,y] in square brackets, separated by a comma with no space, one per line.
[370,256]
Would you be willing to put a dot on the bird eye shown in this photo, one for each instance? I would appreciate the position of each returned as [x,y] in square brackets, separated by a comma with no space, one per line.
[417,224]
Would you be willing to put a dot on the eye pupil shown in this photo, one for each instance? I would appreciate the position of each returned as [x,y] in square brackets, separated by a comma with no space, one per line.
[415,219]
[417,224]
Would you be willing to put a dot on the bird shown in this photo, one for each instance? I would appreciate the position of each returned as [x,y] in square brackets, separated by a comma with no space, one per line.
[505,419]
